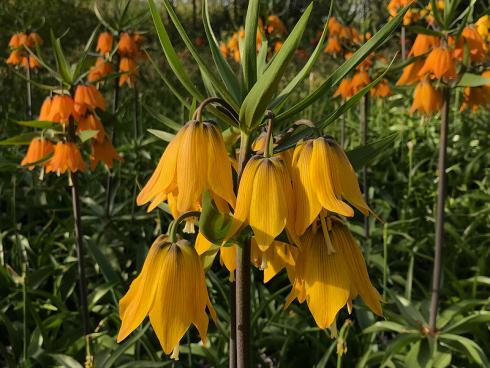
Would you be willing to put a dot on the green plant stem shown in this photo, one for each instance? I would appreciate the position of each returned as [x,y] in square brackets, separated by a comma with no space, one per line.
[441,198]
[364,140]
[29,91]
[242,280]
[115,104]
[135,111]
[385,259]
[403,42]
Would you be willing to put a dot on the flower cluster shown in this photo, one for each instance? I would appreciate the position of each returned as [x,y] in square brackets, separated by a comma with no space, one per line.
[19,54]
[75,113]
[437,60]
[274,31]
[294,202]
[129,51]
[414,14]
[342,39]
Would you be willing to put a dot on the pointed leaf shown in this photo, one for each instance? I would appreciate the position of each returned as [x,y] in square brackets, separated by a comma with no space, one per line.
[37,124]
[21,139]
[363,155]
[473,80]
[248,53]
[163,135]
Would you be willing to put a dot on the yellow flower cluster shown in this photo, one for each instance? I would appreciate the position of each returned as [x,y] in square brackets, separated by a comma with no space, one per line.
[293,201]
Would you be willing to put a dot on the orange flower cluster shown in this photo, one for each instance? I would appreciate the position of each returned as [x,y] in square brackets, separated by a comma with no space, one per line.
[274,30]
[440,64]
[129,50]
[413,14]
[18,52]
[81,108]
[342,38]
[350,86]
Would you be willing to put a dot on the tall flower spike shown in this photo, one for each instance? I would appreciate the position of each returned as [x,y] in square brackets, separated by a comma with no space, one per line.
[194,161]
[265,200]
[171,273]
[330,279]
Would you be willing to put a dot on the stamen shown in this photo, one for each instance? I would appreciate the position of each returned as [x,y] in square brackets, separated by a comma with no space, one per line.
[263,265]
[189,227]
[330,247]
[175,353]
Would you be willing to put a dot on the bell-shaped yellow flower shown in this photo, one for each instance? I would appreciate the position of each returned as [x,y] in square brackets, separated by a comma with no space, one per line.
[322,176]
[265,200]
[194,161]
[330,272]
[170,289]
[277,256]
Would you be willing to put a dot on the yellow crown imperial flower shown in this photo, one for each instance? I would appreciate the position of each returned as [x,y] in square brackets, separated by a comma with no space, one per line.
[194,161]
[322,176]
[330,272]
[171,289]
[265,200]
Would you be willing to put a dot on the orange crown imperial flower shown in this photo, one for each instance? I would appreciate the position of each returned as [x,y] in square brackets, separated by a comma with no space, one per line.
[194,161]
[344,89]
[333,46]
[382,89]
[423,43]
[439,62]
[103,151]
[101,69]
[44,112]
[360,80]
[127,66]
[127,46]
[66,156]
[61,109]
[34,39]
[92,122]
[88,98]
[427,100]
[104,43]
[39,148]
[475,44]
[171,290]
[410,73]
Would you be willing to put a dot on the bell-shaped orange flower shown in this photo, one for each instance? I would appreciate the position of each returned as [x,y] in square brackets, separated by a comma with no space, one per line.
[34,39]
[101,69]
[62,108]
[15,41]
[92,122]
[333,46]
[171,290]
[30,62]
[439,62]
[104,43]
[127,66]
[344,89]
[475,44]
[265,200]
[322,175]
[38,149]
[426,99]
[275,26]
[334,26]
[330,272]
[360,80]
[103,151]
[15,57]
[194,161]
[44,112]
[410,73]
[382,89]
[423,43]
[66,156]
[126,45]
[88,98]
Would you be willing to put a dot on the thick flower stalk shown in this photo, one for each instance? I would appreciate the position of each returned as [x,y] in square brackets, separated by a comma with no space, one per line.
[171,290]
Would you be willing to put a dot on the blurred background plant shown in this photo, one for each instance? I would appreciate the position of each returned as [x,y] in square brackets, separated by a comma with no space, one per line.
[36,228]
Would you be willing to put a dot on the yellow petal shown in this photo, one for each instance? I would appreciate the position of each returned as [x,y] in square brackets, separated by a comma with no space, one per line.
[137,302]
[327,281]
[348,181]
[202,244]
[307,205]
[228,257]
[192,167]
[268,209]
[323,181]
[219,166]
[163,178]
[278,256]
[244,198]
[344,242]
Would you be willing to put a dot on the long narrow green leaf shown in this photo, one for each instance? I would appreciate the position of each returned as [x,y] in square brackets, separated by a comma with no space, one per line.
[262,58]
[115,355]
[211,75]
[224,69]
[61,63]
[81,62]
[345,68]
[171,55]
[21,139]
[37,124]
[305,71]
[102,20]
[163,135]
[469,347]
[248,53]
[170,123]
[260,95]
